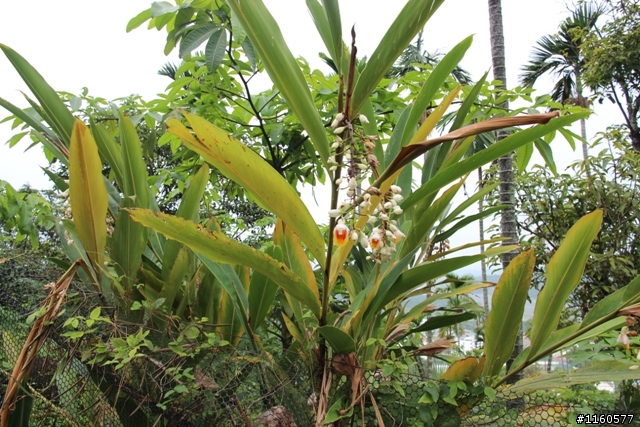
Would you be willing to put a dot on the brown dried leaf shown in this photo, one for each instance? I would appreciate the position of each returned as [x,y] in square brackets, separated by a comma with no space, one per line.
[34,342]
[632,310]
[435,347]
[399,330]
[411,152]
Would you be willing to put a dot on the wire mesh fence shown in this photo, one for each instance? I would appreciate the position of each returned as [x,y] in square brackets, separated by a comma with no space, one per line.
[227,386]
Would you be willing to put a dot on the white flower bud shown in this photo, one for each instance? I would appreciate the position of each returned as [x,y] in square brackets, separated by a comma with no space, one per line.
[388,205]
[362,166]
[335,145]
[363,119]
[397,210]
[364,241]
[397,198]
[333,213]
[339,130]
[350,193]
[333,168]
[338,181]
[353,183]
[336,122]
[354,236]
[371,220]
[396,189]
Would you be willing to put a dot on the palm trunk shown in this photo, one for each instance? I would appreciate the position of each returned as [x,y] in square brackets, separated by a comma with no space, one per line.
[583,124]
[508,226]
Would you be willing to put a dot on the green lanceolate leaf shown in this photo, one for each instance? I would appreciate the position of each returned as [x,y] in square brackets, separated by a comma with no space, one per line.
[604,370]
[262,292]
[332,11]
[48,138]
[138,20]
[87,193]
[423,226]
[340,341]
[438,322]
[464,222]
[507,308]
[411,19]
[423,273]
[189,210]
[322,25]
[282,67]
[524,155]
[130,238]
[194,38]
[611,304]
[510,143]
[547,154]
[219,248]
[457,291]
[433,83]
[563,274]
[294,255]
[55,113]
[109,150]
[256,176]
[214,51]
[127,245]
[173,277]
[231,283]
[134,168]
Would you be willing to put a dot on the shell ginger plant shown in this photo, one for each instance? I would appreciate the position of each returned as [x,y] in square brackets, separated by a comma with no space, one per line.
[373,171]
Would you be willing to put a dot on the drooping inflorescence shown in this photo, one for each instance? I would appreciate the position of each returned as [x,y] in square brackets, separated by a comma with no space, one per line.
[353,162]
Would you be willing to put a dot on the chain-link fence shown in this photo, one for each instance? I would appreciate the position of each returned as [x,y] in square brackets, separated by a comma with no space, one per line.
[239,387]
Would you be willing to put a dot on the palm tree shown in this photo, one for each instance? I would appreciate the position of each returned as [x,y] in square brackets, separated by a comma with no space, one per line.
[560,55]
[414,54]
[508,227]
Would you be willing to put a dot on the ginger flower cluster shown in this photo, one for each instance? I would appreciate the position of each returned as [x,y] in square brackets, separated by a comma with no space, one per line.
[352,162]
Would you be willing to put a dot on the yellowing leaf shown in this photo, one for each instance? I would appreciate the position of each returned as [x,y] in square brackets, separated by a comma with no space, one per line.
[461,369]
[564,272]
[294,255]
[87,193]
[219,248]
[503,322]
[257,177]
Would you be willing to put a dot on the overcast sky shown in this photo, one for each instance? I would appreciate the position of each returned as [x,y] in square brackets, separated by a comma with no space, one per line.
[79,43]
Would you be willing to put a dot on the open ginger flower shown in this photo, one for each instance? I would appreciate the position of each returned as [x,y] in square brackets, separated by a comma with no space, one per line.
[341,233]
[623,338]
[375,240]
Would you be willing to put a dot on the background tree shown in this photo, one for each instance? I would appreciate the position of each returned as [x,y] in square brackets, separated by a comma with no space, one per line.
[550,205]
[561,55]
[416,54]
[612,62]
